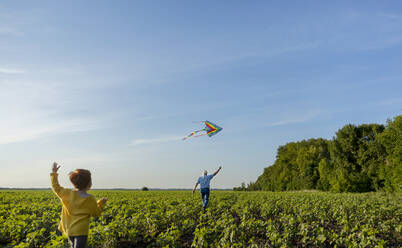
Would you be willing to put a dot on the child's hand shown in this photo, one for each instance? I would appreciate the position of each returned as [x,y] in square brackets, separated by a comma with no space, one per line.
[55,168]
[103,199]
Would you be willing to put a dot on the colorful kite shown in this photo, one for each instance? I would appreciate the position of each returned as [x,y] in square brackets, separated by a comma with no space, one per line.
[210,128]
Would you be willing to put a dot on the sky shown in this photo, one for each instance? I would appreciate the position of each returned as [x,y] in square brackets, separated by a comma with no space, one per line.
[113,86]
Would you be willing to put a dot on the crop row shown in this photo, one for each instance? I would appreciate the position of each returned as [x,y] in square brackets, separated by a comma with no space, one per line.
[233,219]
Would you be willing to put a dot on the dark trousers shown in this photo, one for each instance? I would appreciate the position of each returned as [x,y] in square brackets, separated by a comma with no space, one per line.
[78,241]
[205,196]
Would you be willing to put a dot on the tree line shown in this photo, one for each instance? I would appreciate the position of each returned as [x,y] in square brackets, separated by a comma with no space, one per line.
[360,158]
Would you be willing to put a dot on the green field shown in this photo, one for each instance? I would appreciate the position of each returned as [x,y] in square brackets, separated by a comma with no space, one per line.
[233,219]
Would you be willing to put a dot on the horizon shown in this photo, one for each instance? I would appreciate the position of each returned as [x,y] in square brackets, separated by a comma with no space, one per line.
[113,87]
[139,189]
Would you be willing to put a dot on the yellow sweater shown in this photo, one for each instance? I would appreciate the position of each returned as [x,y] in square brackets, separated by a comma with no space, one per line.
[76,211]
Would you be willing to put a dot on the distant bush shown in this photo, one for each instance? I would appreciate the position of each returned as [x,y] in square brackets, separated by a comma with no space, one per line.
[144,189]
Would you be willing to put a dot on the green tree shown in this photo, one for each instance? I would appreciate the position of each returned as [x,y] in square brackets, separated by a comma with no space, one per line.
[391,169]
[295,167]
[361,158]
[356,155]
[325,170]
[310,153]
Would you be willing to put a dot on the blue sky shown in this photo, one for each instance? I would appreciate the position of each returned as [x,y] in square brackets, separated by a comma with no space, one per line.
[113,86]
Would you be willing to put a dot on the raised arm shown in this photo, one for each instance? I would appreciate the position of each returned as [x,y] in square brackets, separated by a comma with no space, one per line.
[196,184]
[55,181]
[216,172]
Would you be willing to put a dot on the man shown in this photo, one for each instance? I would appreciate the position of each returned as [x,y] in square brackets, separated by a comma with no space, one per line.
[204,185]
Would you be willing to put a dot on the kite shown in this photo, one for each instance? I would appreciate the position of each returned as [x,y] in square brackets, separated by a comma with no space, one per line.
[210,128]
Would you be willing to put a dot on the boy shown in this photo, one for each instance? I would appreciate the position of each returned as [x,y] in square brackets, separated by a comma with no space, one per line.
[78,205]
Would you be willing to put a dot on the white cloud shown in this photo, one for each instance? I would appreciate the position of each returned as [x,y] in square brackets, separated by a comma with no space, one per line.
[391,16]
[137,142]
[390,102]
[277,51]
[383,42]
[10,70]
[297,119]
[31,109]
[9,22]
[10,31]
[26,130]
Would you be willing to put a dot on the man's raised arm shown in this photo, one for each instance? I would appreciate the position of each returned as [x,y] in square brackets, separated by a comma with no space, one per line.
[216,172]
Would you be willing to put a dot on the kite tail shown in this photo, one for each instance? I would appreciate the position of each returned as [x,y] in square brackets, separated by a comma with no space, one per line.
[191,134]
[200,135]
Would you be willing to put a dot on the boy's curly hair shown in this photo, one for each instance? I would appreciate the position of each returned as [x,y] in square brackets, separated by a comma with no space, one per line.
[81,178]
